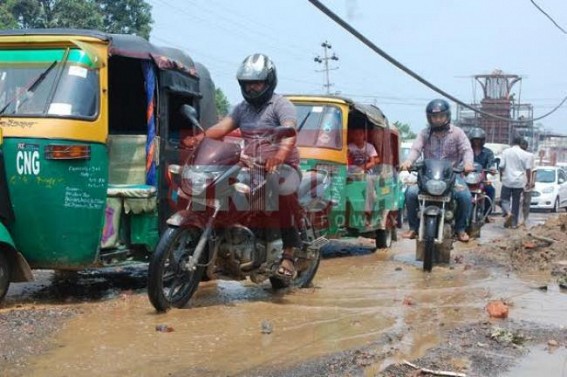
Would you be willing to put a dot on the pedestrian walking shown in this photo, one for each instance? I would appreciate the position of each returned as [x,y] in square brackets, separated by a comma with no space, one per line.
[516,166]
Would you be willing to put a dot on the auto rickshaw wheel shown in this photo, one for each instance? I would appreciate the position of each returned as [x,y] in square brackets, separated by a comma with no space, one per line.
[384,238]
[4,275]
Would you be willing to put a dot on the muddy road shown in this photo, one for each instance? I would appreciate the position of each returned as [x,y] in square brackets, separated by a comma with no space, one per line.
[367,313]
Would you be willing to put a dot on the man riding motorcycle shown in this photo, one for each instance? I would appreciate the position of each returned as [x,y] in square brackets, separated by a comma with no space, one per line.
[441,140]
[262,110]
[485,157]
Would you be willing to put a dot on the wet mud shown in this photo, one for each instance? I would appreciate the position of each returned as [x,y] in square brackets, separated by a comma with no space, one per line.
[367,312]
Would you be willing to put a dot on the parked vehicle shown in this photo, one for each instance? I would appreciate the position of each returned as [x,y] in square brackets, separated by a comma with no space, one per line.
[324,123]
[224,227]
[493,178]
[90,124]
[475,181]
[550,191]
[436,179]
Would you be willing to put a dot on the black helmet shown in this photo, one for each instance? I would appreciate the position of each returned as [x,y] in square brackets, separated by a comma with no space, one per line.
[257,67]
[438,106]
[477,133]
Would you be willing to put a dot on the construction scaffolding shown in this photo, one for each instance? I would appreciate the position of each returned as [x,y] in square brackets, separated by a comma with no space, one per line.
[499,100]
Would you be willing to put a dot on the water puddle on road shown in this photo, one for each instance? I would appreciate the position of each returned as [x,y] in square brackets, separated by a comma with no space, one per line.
[382,300]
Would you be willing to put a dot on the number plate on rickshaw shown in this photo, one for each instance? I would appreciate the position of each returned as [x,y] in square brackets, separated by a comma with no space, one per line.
[430,198]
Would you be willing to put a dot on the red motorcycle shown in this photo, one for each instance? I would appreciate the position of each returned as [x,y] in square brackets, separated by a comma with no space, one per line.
[476,181]
[224,227]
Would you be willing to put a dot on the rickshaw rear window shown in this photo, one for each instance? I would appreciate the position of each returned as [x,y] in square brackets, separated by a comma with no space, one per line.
[319,126]
[48,83]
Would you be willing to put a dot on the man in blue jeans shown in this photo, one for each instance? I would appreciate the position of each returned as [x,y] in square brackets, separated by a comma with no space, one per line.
[441,140]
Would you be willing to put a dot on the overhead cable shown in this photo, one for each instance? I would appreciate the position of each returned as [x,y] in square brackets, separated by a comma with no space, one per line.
[402,67]
[548,16]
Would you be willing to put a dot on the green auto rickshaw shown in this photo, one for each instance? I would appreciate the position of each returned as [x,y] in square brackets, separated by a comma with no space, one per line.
[365,200]
[89,124]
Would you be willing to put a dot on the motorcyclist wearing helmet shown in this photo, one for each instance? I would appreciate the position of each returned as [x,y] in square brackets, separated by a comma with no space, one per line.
[261,110]
[485,157]
[441,140]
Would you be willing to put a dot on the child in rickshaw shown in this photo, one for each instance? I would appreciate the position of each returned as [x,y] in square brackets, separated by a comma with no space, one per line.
[362,158]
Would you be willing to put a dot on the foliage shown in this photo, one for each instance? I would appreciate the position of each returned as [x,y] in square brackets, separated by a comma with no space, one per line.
[113,16]
[405,131]
[221,102]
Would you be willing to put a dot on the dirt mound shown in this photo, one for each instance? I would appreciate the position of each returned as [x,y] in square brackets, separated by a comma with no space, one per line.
[541,248]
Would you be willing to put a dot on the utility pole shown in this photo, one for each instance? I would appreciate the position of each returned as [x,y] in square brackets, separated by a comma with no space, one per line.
[325,59]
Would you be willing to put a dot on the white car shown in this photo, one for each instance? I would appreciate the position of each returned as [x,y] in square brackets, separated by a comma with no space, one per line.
[550,191]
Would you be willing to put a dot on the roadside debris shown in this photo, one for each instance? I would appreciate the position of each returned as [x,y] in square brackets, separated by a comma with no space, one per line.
[506,336]
[435,372]
[267,327]
[164,328]
[497,309]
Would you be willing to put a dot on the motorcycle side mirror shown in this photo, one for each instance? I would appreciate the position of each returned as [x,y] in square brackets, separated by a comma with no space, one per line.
[497,163]
[417,166]
[282,132]
[190,114]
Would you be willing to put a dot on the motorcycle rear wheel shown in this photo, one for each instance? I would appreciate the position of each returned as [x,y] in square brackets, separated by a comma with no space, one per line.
[430,232]
[170,284]
[4,275]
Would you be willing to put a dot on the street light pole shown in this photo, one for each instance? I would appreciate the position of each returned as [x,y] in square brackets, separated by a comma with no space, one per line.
[325,59]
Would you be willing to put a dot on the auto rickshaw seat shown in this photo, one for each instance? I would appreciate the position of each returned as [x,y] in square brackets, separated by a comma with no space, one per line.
[127,159]
[127,189]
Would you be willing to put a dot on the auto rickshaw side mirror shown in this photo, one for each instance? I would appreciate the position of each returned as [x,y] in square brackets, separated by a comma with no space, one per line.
[190,114]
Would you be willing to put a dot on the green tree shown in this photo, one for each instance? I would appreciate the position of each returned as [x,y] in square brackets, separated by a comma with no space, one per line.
[113,16]
[75,14]
[127,16]
[222,102]
[405,131]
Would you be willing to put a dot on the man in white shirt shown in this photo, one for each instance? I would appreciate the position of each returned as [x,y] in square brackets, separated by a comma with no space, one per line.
[516,166]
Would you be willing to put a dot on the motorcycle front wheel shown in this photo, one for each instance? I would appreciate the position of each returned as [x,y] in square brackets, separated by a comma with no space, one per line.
[430,231]
[170,283]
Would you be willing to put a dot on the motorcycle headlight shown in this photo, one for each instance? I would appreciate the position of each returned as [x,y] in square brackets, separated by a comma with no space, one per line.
[435,187]
[472,178]
[547,190]
[195,181]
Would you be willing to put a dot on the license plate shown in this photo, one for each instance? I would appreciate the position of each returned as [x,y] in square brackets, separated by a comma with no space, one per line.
[430,198]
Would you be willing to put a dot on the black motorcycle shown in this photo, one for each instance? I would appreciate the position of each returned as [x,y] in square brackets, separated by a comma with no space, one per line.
[224,228]
[436,179]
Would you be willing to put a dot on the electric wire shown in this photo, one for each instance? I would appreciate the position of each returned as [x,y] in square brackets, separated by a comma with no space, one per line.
[548,16]
[411,73]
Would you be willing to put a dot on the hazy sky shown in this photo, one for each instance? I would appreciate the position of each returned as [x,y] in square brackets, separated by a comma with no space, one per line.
[445,41]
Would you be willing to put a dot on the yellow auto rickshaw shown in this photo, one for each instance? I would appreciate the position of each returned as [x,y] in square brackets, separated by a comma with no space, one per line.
[366,198]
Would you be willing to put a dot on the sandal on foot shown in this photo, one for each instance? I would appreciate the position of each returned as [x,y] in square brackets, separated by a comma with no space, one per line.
[284,270]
